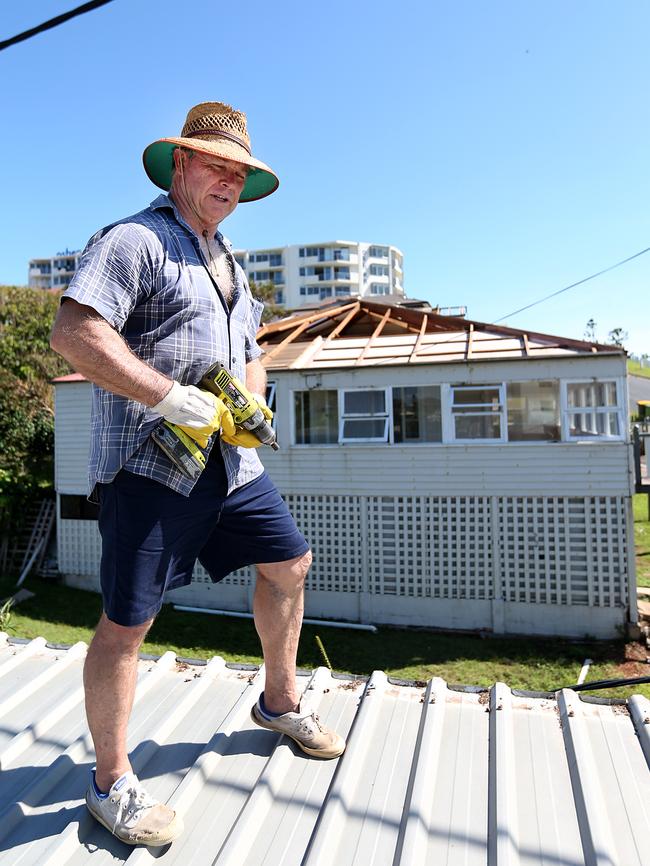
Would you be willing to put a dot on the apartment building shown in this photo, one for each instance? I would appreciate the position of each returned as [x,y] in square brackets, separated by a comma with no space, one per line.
[301,274]
[326,270]
[55,272]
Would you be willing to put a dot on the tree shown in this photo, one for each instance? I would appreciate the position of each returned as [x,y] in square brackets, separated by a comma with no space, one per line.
[27,366]
[266,293]
[617,336]
[590,331]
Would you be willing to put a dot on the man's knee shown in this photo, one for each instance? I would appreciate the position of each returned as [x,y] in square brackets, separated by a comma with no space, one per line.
[119,638]
[291,571]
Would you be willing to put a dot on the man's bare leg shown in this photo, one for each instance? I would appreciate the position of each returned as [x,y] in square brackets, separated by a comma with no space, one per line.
[110,675]
[278,607]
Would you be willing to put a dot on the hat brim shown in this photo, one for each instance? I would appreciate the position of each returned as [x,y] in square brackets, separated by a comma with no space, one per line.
[159,163]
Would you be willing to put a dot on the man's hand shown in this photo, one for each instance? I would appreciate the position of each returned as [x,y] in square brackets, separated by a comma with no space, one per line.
[198,413]
[242,437]
[261,402]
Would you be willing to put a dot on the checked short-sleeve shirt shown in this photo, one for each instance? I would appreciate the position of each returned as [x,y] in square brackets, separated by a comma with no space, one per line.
[146,276]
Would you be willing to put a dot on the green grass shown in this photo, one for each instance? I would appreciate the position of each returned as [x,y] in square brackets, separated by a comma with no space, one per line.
[635,369]
[64,615]
[642,539]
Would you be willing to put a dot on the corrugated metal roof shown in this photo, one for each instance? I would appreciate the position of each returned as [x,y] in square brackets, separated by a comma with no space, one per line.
[356,333]
[431,775]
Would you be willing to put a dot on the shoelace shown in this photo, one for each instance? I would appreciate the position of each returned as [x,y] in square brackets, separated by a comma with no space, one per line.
[305,726]
[131,801]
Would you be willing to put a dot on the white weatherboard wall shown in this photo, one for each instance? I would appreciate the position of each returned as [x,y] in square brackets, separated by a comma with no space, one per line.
[525,537]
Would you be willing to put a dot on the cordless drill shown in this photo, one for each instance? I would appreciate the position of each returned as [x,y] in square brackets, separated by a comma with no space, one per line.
[184,452]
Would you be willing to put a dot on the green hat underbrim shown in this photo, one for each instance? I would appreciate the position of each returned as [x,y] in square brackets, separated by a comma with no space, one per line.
[158,163]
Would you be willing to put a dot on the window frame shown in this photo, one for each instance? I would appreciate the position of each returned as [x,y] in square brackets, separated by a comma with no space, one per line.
[387,437]
[448,415]
[619,409]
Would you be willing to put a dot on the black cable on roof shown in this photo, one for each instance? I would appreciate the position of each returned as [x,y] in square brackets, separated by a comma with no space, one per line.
[605,684]
[53,22]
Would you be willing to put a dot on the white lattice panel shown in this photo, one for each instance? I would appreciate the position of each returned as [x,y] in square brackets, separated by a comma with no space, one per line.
[333,527]
[398,545]
[461,547]
[241,577]
[563,550]
[79,547]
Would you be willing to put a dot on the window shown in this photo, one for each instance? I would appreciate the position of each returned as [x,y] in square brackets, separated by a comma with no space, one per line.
[533,411]
[364,416]
[341,255]
[317,417]
[378,252]
[275,259]
[592,409]
[278,297]
[325,292]
[270,399]
[477,412]
[379,270]
[342,273]
[379,289]
[342,292]
[416,414]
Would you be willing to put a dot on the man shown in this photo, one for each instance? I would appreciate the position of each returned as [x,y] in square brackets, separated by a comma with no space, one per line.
[158,298]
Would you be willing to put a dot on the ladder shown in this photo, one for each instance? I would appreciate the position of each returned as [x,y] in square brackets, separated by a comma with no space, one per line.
[40,534]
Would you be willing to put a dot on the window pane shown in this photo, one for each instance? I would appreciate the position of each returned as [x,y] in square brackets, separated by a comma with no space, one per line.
[364,403]
[474,396]
[592,423]
[477,426]
[591,394]
[533,411]
[365,428]
[317,421]
[416,414]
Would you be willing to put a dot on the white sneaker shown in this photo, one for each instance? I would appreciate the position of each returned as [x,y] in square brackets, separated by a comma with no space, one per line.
[306,729]
[132,815]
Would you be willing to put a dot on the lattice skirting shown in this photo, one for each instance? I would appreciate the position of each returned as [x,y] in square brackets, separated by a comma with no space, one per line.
[534,550]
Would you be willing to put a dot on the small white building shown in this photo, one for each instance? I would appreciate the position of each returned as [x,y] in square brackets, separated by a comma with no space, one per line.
[447,473]
[303,273]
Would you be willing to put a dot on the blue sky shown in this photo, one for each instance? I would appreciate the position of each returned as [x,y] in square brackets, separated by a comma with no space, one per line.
[503,147]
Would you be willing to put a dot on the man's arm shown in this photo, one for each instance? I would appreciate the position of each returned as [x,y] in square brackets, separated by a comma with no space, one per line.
[95,349]
[256,377]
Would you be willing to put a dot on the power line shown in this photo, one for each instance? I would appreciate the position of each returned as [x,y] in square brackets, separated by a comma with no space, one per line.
[53,22]
[573,285]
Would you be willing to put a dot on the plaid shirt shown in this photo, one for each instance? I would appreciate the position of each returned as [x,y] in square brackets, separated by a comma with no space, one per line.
[145,275]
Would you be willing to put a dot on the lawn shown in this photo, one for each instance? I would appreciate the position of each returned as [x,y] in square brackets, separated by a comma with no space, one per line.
[64,615]
[642,539]
[634,368]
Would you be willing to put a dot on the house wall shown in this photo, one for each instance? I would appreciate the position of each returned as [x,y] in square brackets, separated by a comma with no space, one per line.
[513,538]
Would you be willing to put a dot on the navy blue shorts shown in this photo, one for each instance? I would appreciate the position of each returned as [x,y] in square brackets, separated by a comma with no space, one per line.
[152,536]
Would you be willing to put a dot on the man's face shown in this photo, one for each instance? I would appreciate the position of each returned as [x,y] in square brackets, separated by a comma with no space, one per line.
[212,184]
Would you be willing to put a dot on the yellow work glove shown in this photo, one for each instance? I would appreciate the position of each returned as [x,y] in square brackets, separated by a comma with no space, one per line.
[221,420]
[242,437]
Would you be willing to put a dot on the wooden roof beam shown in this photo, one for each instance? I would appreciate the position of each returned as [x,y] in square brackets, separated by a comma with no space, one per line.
[408,326]
[374,334]
[344,323]
[423,330]
[286,324]
[470,341]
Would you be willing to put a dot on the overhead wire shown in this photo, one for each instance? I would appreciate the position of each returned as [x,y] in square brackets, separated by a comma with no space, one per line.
[53,22]
[573,285]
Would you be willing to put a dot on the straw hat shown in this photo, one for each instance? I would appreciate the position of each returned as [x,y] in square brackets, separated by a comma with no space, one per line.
[216,129]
